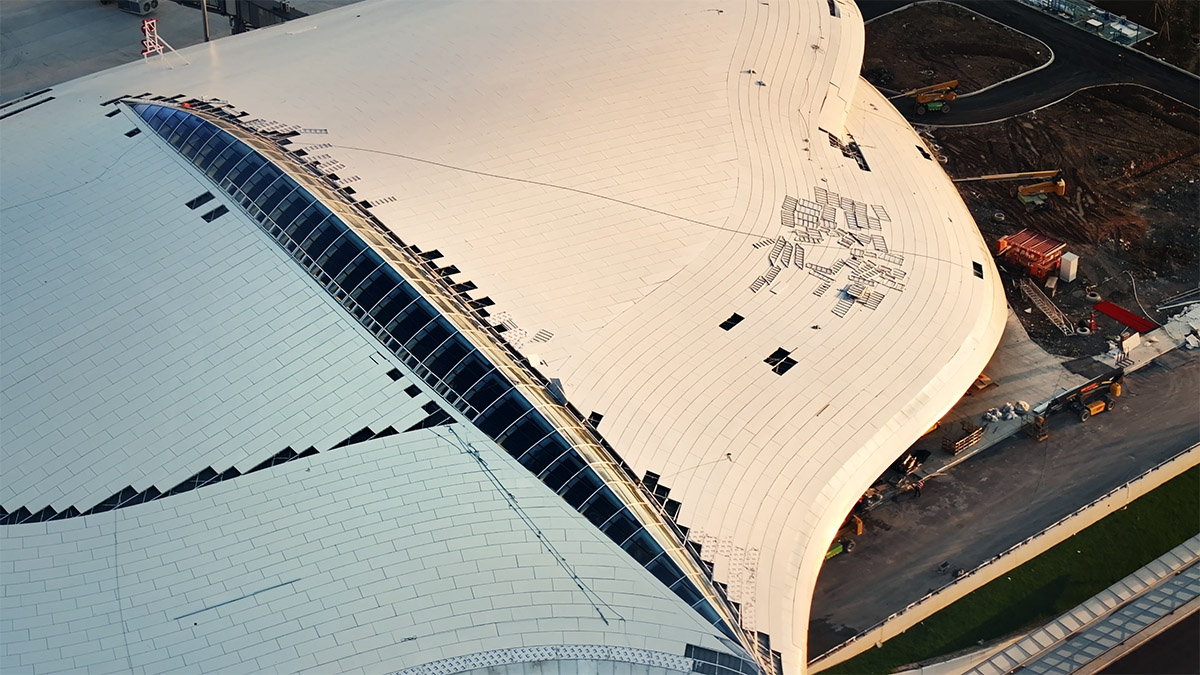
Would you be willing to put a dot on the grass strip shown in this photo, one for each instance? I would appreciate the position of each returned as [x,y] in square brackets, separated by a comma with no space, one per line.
[1051,583]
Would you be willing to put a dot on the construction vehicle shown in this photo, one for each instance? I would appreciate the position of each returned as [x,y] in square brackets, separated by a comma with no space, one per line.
[842,543]
[935,97]
[1092,398]
[1034,195]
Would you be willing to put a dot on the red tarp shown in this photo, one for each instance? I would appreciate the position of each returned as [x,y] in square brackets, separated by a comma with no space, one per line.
[1138,323]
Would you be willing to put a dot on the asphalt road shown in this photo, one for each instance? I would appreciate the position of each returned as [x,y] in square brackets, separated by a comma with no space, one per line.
[1080,60]
[1007,493]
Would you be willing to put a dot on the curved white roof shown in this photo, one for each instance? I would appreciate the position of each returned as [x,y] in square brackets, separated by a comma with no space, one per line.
[408,554]
[621,178]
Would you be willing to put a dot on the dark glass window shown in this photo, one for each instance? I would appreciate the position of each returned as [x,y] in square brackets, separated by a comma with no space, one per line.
[209,152]
[261,180]
[642,547]
[289,207]
[393,303]
[562,470]
[502,413]
[245,168]
[415,316]
[687,591]
[339,254]
[231,156]
[320,239]
[185,128]
[275,193]
[523,434]
[304,224]
[537,458]
[578,489]
[489,388]
[710,615]
[357,270]
[665,570]
[621,526]
[375,286]
[202,135]
[172,122]
[428,339]
[467,372]
[160,115]
[601,507]
[447,355]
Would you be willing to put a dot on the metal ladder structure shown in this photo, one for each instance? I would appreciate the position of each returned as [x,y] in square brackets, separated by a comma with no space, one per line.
[1048,308]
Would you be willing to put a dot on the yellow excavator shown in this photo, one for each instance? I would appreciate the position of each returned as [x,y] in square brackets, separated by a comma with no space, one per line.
[1033,195]
[935,97]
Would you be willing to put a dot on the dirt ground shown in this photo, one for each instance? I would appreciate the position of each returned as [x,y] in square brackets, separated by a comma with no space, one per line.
[954,43]
[1177,23]
[1131,161]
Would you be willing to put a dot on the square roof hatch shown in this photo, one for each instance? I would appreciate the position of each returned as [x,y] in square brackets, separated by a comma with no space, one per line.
[780,361]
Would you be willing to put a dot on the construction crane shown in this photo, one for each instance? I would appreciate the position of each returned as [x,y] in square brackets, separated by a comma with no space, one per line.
[1032,195]
[935,97]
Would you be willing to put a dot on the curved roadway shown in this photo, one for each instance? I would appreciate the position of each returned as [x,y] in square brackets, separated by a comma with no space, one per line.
[1081,60]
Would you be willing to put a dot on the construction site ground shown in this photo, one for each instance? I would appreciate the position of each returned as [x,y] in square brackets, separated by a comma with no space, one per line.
[1176,22]
[934,42]
[1014,489]
[1131,161]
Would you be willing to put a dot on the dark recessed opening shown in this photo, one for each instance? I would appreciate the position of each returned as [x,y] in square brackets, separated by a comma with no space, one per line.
[200,201]
[784,365]
[215,213]
[394,374]
[390,431]
[594,419]
[359,436]
[113,113]
[431,408]
[777,356]
[133,132]
[923,153]
[731,321]
[435,419]
[978,269]
[412,390]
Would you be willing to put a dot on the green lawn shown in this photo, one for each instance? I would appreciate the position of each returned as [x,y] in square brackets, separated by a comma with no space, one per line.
[1051,583]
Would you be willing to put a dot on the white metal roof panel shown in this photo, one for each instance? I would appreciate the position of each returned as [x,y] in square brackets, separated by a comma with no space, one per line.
[404,552]
[142,344]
